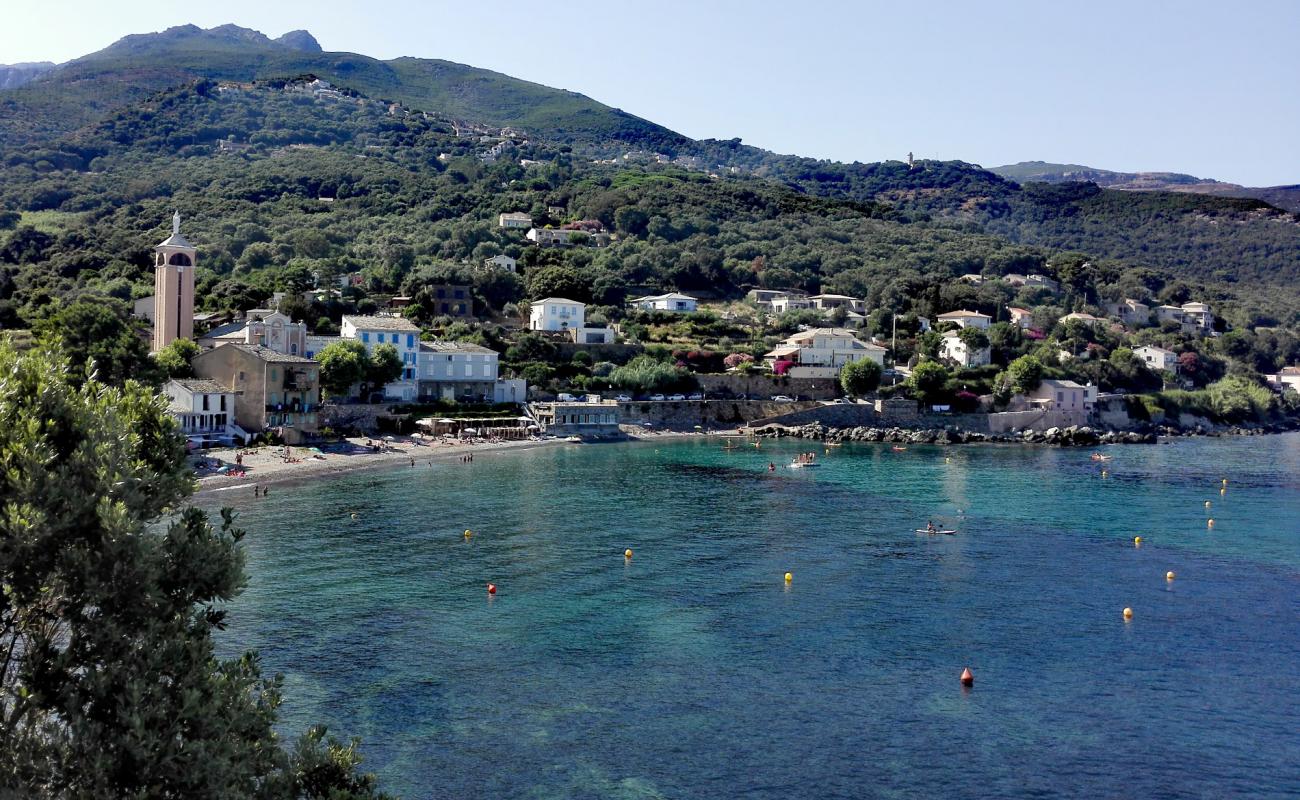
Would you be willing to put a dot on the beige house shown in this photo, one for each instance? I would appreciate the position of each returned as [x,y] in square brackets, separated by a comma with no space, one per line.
[1130,312]
[515,219]
[967,319]
[1086,319]
[821,352]
[272,391]
[1061,396]
[1022,318]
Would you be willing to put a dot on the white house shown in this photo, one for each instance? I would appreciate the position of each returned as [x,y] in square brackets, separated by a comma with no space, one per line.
[821,352]
[1085,318]
[1157,358]
[501,262]
[826,302]
[514,219]
[457,371]
[1288,378]
[551,237]
[400,333]
[955,350]
[679,303]
[1199,316]
[967,319]
[789,302]
[205,411]
[556,314]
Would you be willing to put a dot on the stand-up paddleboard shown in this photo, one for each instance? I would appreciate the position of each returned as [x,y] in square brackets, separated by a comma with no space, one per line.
[924,530]
[802,465]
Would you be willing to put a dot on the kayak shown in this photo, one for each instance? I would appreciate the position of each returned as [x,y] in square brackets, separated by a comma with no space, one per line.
[923,530]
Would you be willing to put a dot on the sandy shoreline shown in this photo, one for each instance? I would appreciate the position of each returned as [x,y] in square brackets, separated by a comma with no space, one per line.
[267,466]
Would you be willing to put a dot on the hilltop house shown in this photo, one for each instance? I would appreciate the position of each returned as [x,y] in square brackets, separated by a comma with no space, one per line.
[272,391]
[400,333]
[820,353]
[827,302]
[1062,396]
[1085,318]
[967,319]
[514,219]
[1130,312]
[673,301]
[789,301]
[1022,318]
[451,300]
[1192,318]
[556,314]
[204,410]
[1157,358]
[954,349]
[501,262]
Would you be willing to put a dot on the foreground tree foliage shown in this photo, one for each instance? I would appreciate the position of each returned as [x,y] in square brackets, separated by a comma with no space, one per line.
[109,683]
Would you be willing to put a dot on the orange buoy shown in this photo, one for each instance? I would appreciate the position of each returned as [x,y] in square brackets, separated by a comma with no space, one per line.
[492,588]
[967,678]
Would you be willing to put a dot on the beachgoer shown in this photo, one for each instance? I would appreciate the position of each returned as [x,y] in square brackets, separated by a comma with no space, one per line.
[771,467]
[929,526]
[255,490]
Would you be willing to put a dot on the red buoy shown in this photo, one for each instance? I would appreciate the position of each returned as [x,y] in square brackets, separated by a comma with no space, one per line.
[967,679]
[492,588]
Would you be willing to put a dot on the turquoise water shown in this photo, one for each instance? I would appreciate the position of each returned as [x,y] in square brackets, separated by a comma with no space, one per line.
[694,671]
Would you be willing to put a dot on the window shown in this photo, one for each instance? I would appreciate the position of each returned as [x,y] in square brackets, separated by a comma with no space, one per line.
[410,340]
[223,402]
[459,293]
[365,337]
[275,374]
[441,293]
[205,402]
[1060,397]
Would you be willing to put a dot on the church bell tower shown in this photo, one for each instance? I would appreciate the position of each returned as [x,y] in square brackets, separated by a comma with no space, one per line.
[173,288]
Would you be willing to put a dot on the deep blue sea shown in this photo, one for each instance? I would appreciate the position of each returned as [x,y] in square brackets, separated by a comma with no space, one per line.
[693,670]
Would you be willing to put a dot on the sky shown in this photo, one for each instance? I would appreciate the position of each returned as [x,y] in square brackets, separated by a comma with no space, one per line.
[1206,88]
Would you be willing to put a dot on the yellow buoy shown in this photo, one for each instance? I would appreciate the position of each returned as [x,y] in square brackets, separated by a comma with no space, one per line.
[1225,481]
[1128,613]
[1169,576]
[788,577]
[1222,492]
[627,553]
[1137,540]
[1209,523]
[468,533]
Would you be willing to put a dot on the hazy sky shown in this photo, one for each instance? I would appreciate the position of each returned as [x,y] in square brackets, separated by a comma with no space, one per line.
[1208,88]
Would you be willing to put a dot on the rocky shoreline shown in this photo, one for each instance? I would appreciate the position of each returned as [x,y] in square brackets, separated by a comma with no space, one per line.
[1072,436]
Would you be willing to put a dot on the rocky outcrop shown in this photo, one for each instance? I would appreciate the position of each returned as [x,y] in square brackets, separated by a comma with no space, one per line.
[1073,436]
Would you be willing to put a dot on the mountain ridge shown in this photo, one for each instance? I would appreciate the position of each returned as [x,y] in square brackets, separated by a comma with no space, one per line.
[1286,197]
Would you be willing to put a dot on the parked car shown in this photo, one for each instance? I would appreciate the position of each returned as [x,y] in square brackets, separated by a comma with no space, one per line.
[623,398]
[657,397]
[696,396]
[566,398]
[676,397]
[780,398]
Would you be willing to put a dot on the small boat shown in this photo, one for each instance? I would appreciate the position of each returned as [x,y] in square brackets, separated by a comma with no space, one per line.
[898,449]
[574,439]
[1100,457]
[926,530]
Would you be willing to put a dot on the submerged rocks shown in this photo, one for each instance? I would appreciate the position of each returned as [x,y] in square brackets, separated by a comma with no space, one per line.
[1072,436]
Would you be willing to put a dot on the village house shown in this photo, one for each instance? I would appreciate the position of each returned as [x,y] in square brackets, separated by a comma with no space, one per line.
[451,300]
[1022,318]
[789,302]
[273,392]
[1192,318]
[400,333]
[1085,318]
[954,349]
[457,371]
[1287,378]
[551,237]
[1057,395]
[261,326]
[827,302]
[1130,312]
[556,314]
[967,319]
[501,262]
[673,301]
[514,219]
[204,410]
[1157,358]
[820,353]
[1032,281]
[764,297]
